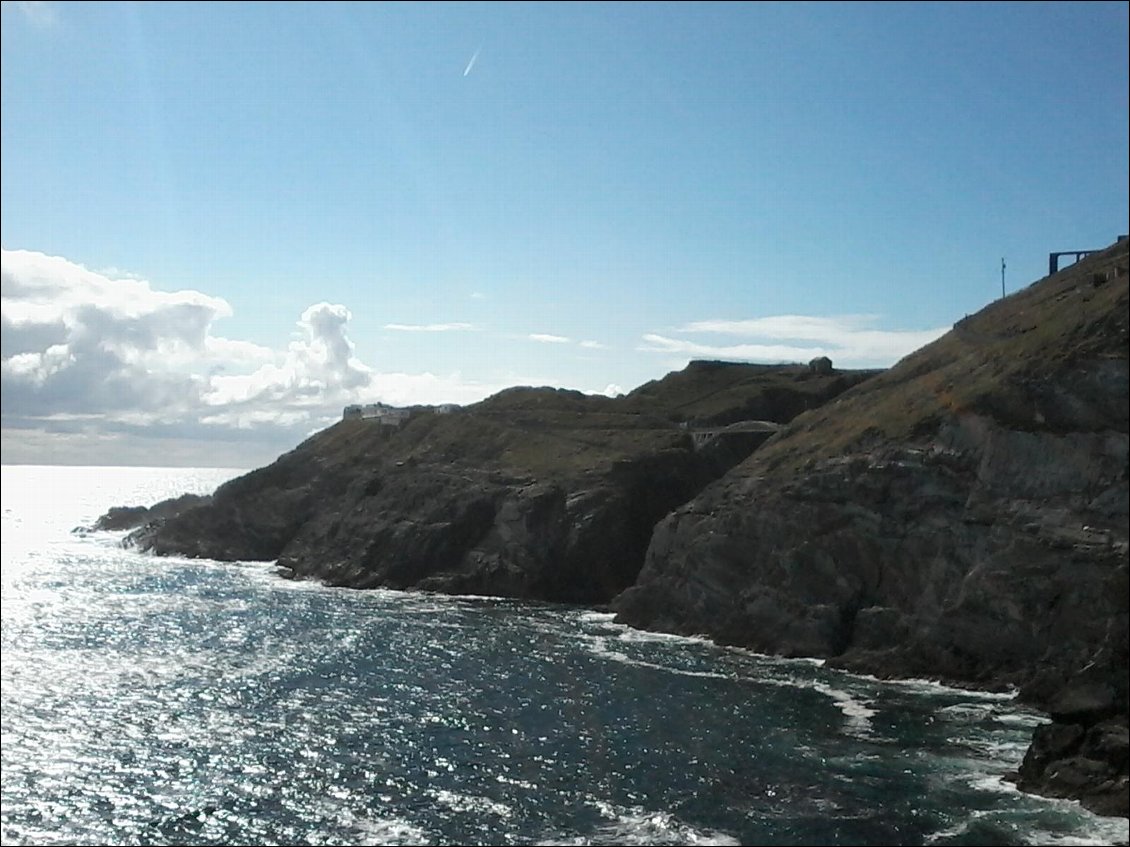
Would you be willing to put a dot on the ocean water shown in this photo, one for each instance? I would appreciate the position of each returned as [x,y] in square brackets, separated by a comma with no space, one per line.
[177,701]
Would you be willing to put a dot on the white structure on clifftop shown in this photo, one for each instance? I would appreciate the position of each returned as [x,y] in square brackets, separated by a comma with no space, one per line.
[379,412]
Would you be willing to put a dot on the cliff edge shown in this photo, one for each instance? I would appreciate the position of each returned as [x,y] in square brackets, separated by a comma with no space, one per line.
[961,516]
[533,493]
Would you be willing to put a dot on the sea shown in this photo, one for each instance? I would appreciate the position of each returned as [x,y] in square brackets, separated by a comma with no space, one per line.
[184,701]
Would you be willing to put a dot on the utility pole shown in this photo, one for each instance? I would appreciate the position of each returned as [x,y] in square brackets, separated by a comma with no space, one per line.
[1002,276]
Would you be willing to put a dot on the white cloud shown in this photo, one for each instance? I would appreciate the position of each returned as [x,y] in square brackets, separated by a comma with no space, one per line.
[755,352]
[231,352]
[546,338]
[317,370]
[593,345]
[849,340]
[114,272]
[449,327]
[94,356]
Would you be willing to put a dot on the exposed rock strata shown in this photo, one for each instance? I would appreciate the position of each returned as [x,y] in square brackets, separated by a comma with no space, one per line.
[962,516]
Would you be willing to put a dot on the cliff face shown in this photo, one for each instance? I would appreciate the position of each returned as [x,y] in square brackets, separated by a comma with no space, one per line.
[534,493]
[963,515]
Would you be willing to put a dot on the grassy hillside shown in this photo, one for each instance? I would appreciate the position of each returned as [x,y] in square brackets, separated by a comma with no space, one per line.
[996,363]
[546,433]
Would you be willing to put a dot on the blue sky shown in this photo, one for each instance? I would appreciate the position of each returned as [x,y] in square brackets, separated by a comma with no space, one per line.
[221,222]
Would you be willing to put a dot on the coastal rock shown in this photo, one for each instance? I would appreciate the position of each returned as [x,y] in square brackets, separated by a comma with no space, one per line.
[128,517]
[1089,764]
[534,493]
[962,516]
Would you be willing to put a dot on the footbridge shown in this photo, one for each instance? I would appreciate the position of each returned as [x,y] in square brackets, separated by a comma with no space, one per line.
[701,436]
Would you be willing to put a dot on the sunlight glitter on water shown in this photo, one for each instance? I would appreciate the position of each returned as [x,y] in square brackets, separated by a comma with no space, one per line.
[181,701]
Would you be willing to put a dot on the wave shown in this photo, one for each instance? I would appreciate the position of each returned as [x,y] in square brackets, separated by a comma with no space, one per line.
[857,711]
[636,825]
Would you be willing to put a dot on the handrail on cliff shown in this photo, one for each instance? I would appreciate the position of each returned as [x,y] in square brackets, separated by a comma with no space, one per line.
[1053,258]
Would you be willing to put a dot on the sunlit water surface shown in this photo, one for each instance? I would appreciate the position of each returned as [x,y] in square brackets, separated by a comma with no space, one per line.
[181,701]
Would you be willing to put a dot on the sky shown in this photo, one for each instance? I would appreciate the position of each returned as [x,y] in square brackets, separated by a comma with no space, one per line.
[221,223]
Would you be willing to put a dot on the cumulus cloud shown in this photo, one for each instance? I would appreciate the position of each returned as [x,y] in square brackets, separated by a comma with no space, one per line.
[75,341]
[317,371]
[849,340]
[546,338]
[106,358]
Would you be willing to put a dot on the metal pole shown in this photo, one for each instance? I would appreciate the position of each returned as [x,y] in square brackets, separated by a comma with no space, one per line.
[1002,276]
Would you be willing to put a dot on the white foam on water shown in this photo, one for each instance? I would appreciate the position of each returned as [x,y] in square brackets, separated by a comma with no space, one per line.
[384,831]
[636,825]
[469,803]
[630,633]
[1087,827]
[858,712]
[597,617]
[999,751]
[607,622]
[933,686]
[1090,829]
[639,636]
[1023,720]
[598,646]
[641,827]
[1015,717]
[958,829]
[770,659]
[965,712]
[1117,836]
[994,783]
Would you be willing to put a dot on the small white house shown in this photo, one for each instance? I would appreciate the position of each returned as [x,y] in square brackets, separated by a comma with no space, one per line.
[379,412]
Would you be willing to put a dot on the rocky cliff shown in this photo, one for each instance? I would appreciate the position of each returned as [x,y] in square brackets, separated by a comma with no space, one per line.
[962,516]
[533,493]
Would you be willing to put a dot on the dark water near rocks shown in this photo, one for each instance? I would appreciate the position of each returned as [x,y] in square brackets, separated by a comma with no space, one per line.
[183,702]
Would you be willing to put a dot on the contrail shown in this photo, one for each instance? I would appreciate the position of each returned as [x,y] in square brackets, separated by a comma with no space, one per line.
[471,63]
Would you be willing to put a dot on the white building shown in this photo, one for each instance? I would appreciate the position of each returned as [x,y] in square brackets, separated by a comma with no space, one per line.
[379,412]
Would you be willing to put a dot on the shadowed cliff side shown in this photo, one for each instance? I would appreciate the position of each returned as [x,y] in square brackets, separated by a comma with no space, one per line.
[961,516]
[534,493]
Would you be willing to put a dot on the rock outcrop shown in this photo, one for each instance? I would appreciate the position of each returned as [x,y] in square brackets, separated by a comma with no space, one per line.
[128,517]
[962,516]
[534,493]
